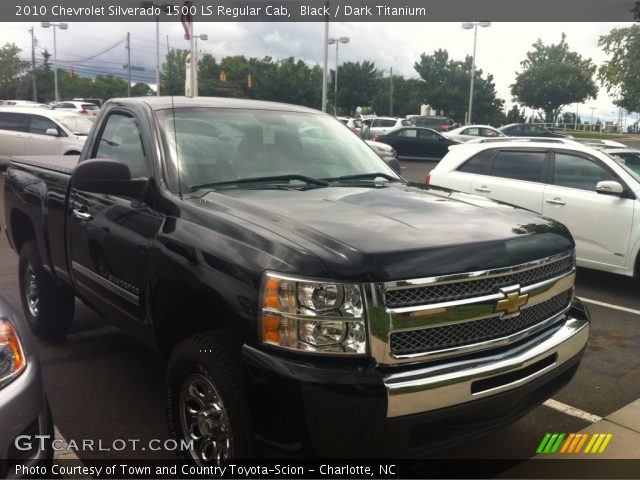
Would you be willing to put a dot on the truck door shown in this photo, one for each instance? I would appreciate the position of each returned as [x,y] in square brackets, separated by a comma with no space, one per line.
[109,235]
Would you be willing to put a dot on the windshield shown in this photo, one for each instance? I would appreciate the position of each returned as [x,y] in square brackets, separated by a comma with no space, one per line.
[213,145]
[75,124]
[630,161]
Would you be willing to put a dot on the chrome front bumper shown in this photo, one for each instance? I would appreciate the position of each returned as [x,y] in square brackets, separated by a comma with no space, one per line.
[460,381]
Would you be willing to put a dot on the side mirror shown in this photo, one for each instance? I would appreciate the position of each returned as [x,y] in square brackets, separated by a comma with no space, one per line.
[609,188]
[106,176]
[52,132]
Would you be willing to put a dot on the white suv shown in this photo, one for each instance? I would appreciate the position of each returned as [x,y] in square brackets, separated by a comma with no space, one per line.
[380,125]
[593,193]
[38,131]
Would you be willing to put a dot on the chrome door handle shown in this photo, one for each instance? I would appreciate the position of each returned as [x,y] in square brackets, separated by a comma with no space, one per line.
[482,189]
[556,201]
[82,216]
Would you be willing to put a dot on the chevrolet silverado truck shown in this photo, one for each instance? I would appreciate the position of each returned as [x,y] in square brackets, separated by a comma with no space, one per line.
[304,296]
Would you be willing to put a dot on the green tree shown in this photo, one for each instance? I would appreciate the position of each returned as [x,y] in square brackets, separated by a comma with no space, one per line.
[357,84]
[447,87]
[141,89]
[619,74]
[514,115]
[174,72]
[553,77]
[11,69]
[407,95]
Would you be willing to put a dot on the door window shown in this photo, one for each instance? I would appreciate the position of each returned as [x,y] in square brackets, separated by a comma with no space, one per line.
[519,165]
[479,163]
[408,132]
[472,131]
[574,171]
[39,125]
[120,140]
[15,122]
[427,134]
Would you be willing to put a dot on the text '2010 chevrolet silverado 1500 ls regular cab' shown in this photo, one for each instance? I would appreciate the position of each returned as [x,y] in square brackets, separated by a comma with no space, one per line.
[305,295]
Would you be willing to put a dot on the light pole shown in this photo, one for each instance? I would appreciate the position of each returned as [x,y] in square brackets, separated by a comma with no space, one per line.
[61,26]
[469,26]
[337,41]
[204,37]
[591,123]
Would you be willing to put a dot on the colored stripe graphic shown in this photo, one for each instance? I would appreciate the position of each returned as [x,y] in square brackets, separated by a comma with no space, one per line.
[540,448]
[573,443]
[584,439]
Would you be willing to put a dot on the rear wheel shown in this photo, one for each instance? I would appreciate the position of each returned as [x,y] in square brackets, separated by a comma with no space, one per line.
[47,307]
[207,400]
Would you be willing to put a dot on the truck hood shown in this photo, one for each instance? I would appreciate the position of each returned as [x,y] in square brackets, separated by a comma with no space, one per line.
[382,232]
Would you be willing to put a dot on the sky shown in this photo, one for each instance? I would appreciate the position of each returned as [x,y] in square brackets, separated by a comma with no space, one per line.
[500,47]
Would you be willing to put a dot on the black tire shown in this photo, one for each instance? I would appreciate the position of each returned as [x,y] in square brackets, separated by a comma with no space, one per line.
[51,316]
[208,366]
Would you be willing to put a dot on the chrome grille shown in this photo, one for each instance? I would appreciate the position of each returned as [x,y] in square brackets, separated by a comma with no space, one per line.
[446,292]
[476,331]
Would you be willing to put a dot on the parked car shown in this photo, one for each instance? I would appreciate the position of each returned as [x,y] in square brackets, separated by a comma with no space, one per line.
[24,410]
[29,131]
[90,110]
[354,124]
[299,288]
[529,130]
[96,101]
[417,142]
[472,132]
[595,194]
[386,153]
[22,103]
[440,124]
[380,125]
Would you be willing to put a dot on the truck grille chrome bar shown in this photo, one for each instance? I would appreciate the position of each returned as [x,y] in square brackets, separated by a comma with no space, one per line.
[475,287]
[437,317]
[476,331]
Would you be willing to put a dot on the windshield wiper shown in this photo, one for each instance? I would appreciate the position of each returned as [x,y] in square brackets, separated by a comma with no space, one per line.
[365,176]
[276,178]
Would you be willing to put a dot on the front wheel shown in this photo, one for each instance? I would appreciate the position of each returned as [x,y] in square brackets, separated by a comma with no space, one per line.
[207,401]
[47,307]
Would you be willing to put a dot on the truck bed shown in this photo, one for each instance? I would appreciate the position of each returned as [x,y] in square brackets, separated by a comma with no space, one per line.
[57,163]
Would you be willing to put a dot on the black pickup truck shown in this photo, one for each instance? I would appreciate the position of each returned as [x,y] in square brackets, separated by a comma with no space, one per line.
[304,295]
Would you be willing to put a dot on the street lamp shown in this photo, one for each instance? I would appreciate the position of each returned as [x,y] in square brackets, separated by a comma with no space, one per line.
[61,26]
[337,41]
[203,37]
[469,26]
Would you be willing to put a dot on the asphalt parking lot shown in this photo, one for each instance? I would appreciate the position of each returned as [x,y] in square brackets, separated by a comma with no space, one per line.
[104,386]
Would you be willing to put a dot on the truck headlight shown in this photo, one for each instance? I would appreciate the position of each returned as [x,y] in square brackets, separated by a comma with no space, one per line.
[12,359]
[312,316]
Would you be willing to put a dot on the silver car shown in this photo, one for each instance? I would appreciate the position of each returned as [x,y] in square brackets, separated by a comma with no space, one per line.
[38,131]
[24,411]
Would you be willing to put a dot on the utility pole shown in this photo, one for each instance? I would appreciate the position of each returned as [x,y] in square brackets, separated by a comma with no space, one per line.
[128,64]
[325,71]
[157,55]
[391,92]
[33,65]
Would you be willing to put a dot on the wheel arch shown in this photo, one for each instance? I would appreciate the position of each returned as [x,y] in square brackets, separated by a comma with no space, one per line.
[22,229]
[180,311]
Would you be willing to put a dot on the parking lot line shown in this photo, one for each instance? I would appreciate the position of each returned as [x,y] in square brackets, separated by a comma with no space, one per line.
[609,305]
[573,411]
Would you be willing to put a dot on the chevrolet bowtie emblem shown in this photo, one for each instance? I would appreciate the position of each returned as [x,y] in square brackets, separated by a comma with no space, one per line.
[512,303]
